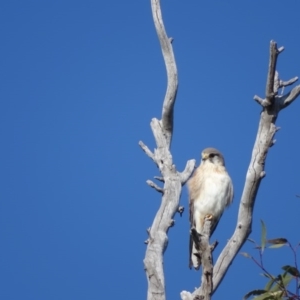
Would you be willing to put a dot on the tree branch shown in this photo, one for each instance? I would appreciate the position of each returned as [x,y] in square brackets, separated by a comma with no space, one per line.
[161,179]
[291,96]
[180,210]
[173,180]
[147,150]
[205,250]
[155,186]
[273,82]
[188,170]
[271,72]
[206,260]
[167,51]
[264,140]
[289,82]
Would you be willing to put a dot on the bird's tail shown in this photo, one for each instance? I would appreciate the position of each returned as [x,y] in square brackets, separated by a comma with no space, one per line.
[195,259]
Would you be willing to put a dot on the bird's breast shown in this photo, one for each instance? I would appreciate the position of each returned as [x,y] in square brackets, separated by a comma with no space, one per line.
[214,193]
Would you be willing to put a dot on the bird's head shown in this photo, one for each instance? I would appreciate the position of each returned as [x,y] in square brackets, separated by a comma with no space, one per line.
[213,155]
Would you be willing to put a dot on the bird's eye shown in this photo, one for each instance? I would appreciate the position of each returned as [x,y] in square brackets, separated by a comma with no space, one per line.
[211,155]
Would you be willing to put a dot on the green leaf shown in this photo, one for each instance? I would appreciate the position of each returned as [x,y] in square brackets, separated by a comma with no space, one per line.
[254,293]
[278,295]
[267,296]
[291,270]
[270,283]
[286,279]
[276,246]
[263,235]
[270,296]
[245,254]
[278,241]
[283,280]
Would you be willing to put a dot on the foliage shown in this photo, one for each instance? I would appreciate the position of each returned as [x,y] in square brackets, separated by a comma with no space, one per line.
[278,287]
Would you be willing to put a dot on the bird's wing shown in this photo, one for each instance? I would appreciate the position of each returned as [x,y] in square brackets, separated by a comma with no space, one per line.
[191,208]
[230,193]
[194,187]
[191,239]
[228,196]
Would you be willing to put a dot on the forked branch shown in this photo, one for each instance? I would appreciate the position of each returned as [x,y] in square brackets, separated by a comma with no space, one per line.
[205,250]
[171,68]
[271,106]
[172,179]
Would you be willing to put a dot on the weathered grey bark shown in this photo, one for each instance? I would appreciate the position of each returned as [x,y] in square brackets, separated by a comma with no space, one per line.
[272,104]
[172,179]
[205,250]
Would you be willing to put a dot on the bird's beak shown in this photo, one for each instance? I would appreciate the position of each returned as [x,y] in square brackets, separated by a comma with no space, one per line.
[205,156]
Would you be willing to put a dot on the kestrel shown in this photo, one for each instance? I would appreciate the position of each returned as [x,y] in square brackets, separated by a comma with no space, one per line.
[210,192]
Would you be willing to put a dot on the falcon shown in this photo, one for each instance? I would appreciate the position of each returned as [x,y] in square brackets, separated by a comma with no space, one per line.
[210,192]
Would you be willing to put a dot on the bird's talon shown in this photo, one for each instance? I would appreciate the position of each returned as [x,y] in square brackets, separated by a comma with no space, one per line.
[209,217]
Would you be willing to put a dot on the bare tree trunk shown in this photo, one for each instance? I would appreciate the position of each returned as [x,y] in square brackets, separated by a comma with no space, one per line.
[205,250]
[172,179]
[271,106]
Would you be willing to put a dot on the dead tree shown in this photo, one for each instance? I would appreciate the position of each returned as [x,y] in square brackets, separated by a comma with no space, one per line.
[173,180]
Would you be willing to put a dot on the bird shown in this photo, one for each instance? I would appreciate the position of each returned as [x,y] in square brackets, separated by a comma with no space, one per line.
[210,192]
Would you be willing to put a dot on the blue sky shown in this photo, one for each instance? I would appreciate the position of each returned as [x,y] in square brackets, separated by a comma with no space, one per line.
[80,82]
